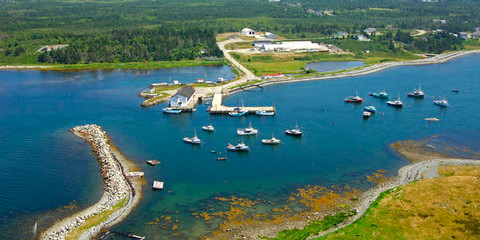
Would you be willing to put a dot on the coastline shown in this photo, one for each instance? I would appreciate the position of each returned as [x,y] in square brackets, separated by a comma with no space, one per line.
[120,194]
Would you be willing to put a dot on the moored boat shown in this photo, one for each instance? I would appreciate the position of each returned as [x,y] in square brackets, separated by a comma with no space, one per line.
[238,112]
[208,128]
[383,95]
[370,109]
[271,141]
[396,103]
[170,110]
[241,147]
[221,158]
[455,90]
[417,93]
[294,132]
[366,114]
[153,162]
[264,113]
[247,131]
[441,102]
[192,140]
[432,119]
[354,99]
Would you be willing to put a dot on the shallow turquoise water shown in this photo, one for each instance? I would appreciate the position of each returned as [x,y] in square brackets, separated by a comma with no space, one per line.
[44,166]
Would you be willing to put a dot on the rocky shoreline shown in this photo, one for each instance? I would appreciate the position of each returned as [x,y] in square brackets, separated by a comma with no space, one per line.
[117,188]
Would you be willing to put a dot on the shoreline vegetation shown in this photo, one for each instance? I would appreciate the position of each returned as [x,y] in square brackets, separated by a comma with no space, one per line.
[120,194]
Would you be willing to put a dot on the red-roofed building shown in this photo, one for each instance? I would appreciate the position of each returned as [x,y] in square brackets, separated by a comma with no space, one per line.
[272,75]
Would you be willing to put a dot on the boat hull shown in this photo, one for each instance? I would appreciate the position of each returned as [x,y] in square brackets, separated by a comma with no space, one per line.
[171,111]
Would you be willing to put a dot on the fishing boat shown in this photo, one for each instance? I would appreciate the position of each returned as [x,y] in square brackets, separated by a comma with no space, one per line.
[264,113]
[383,95]
[241,147]
[294,132]
[238,112]
[170,110]
[370,109]
[271,141]
[432,119]
[221,158]
[367,114]
[455,90]
[354,99]
[247,131]
[441,102]
[192,140]
[417,93]
[153,162]
[208,128]
[396,103]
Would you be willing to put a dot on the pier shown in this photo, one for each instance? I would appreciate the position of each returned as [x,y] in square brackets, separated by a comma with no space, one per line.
[218,108]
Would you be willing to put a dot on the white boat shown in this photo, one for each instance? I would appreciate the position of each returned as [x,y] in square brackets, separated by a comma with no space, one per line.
[264,113]
[208,128]
[432,119]
[417,93]
[367,114]
[294,132]
[192,140]
[241,147]
[271,141]
[247,131]
[396,103]
[238,113]
[170,110]
[441,102]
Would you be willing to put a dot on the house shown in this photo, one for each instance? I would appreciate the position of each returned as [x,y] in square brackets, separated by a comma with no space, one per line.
[465,35]
[48,48]
[341,34]
[441,21]
[476,34]
[296,46]
[272,75]
[183,97]
[389,27]
[248,32]
[273,0]
[270,35]
[370,30]
[362,38]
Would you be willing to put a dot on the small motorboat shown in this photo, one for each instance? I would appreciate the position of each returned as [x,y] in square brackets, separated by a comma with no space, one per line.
[170,110]
[417,93]
[383,95]
[241,147]
[238,113]
[153,162]
[213,151]
[192,140]
[396,103]
[271,141]
[441,102]
[370,109]
[264,113]
[455,90]
[222,158]
[247,131]
[208,128]
[294,132]
[367,114]
[432,119]
[354,99]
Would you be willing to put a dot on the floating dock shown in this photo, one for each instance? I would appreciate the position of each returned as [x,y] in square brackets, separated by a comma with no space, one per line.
[157,185]
[218,108]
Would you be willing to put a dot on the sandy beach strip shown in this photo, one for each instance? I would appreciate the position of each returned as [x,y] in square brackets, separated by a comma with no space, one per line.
[117,189]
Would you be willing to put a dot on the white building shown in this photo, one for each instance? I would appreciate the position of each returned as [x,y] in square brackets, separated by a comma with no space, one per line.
[369,31]
[270,35]
[183,97]
[296,46]
[362,38]
[248,32]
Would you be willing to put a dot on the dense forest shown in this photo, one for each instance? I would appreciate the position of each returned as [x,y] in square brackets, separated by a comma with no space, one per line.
[96,30]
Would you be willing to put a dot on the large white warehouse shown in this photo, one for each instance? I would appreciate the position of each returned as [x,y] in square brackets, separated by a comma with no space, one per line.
[295,46]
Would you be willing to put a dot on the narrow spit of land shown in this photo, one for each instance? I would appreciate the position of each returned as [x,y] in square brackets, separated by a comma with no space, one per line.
[120,194]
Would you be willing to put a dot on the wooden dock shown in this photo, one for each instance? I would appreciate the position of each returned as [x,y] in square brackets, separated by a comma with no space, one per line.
[218,108]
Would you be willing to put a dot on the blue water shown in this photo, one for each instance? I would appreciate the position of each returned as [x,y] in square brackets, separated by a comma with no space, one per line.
[334,66]
[43,166]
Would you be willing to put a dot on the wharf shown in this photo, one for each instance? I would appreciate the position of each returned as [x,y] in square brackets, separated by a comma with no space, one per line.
[218,108]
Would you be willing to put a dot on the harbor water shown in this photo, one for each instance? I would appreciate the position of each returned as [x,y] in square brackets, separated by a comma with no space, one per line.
[44,167]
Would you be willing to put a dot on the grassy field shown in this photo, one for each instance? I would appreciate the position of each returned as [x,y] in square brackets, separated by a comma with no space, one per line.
[442,208]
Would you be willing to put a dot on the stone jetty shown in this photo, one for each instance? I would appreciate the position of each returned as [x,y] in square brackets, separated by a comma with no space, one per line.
[119,193]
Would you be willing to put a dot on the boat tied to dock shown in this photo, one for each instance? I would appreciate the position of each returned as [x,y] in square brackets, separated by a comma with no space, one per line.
[264,113]
[170,110]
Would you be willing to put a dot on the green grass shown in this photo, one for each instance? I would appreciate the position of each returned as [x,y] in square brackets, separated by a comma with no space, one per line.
[314,227]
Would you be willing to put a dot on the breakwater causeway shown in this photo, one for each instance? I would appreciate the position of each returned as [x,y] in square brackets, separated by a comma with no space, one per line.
[120,195]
